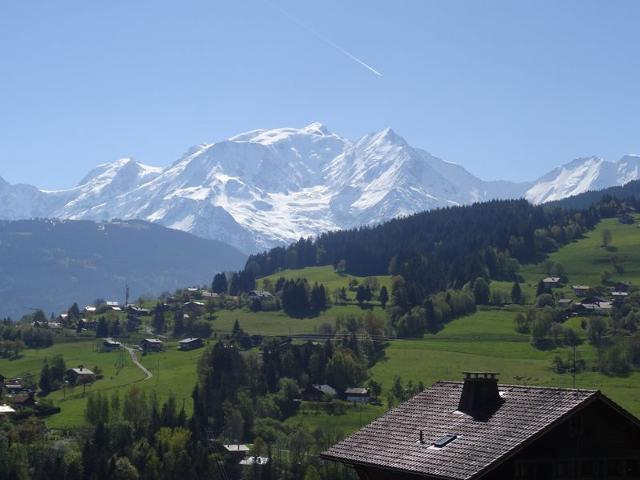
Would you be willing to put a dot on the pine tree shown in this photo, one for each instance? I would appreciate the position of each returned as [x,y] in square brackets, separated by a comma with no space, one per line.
[102,328]
[481,291]
[384,296]
[158,319]
[219,284]
[516,293]
[45,383]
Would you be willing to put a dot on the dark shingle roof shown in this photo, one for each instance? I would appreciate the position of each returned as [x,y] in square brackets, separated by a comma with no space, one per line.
[393,440]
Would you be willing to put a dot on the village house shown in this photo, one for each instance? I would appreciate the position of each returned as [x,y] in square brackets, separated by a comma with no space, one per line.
[256,460]
[151,345]
[259,295]
[581,290]
[619,297]
[357,395]
[113,306]
[318,393]
[481,430]
[190,343]
[90,309]
[6,410]
[236,451]
[137,311]
[15,386]
[109,344]
[551,282]
[565,302]
[593,306]
[88,324]
[194,307]
[80,375]
[24,400]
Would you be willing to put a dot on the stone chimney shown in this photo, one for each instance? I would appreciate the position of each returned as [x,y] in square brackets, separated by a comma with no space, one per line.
[480,396]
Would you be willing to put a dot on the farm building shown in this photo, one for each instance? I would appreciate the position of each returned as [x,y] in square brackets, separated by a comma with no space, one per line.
[194,306]
[109,344]
[551,282]
[358,395]
[236,451]
[80,375]
[581,290]
[6,410]
[190,343]
[88,324]
[259,295]
[316,393]
[15,386]
[619,297]
[151,345]
[477,429]
[23,400]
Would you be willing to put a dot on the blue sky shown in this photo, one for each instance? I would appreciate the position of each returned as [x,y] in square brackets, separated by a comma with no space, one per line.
[509,89]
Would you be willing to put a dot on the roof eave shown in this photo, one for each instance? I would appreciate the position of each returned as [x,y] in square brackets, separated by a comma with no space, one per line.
[346,461]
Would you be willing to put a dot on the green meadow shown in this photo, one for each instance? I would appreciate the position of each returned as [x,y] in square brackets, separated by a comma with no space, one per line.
[325,275]
[174,372]
[485,340]
[584,260]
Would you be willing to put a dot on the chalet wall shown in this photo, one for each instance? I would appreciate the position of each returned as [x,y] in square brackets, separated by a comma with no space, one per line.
[595,443]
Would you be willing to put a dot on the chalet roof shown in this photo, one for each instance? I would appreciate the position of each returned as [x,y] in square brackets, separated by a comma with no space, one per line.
[356,391]
[551,280]
[152,340]
[236,447]
[393,440]
[81,371]
[326,389]
[6,409]
[189,340]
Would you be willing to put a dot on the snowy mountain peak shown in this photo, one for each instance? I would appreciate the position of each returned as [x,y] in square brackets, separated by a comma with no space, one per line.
[386,136]
[267,187]
[273,136]
[581,175]
[125,168]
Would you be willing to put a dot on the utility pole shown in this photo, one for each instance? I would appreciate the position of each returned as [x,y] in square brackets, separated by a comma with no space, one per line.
[126,296]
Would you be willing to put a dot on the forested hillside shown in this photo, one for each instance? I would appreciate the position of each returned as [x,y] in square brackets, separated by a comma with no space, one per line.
[49,264]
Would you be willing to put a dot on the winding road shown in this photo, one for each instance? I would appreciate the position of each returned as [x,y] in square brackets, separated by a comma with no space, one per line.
[134,359]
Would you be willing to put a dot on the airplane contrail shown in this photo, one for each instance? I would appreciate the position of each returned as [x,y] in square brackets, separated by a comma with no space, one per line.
[323,38]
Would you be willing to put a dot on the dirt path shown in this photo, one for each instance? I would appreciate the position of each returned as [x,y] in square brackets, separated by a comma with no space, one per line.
[134,359]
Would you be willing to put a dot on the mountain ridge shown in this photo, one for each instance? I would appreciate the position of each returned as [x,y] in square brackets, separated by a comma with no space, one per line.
[49,264]
[269,187]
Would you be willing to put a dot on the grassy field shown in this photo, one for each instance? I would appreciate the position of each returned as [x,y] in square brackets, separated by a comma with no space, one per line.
[278,323]
[174,371]
[486,341]
[585,260]
[355,417]
[325,275]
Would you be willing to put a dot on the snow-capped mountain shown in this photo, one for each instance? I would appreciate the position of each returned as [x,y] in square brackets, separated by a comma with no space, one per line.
[268,187]
[581,175]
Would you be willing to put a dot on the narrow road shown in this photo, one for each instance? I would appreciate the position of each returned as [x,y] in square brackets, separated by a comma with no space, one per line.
[134,359]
